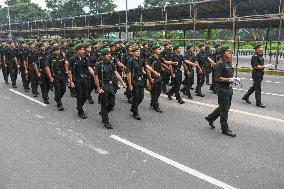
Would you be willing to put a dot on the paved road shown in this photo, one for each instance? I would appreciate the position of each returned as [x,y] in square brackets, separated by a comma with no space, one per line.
[245,61]
[43,148]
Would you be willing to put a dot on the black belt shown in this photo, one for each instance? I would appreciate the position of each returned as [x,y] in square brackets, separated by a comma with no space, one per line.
[83,75]
[107,82]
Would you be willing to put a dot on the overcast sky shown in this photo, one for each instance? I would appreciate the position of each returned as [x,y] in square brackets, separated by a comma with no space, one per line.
[120,3]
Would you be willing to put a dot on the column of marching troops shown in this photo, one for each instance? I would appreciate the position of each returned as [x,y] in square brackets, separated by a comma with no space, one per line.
[86,66]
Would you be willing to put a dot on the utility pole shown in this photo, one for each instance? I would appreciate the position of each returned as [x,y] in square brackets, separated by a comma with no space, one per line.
[9,20]
[126,20]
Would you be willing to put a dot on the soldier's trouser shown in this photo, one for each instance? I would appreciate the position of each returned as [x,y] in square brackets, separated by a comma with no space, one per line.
[82,93]
[213,80]
[107,101]
[138,96]
[187,84]
[91,86]
[176,85]
[13,70]
[44,86]
[255,88]
[207,72]
[200,83]
[155,94]
[25,78]
[5,72]
[34,80]
[222,111]
[60,89]
[165,80]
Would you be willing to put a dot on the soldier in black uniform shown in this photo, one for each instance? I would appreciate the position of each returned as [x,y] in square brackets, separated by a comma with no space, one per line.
[79,70]
[202,60]
[224,79]
[31,63]
[157,63]
[70,54]
[176,74]
[11,62]
[125,61]
[136,68]
[257,63]
[4,67]
[216,57]
[56,69]
[166,54]
[104,75]
[40,69]
[91,62]
[23,52]
[189,71]
[208,66]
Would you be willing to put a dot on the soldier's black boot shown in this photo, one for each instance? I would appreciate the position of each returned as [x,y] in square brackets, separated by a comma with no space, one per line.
[82,115]
[211,123]
[229,133]
[246,100]
[260,105]
[108,125]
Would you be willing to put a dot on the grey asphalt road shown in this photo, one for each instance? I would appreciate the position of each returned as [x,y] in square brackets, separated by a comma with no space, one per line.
[43,148]
[245,61]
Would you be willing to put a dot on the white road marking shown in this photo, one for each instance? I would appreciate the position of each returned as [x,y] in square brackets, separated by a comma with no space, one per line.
[234,110]
[79,139]
[27,97]
[175,164]
[261,92]
[276,82]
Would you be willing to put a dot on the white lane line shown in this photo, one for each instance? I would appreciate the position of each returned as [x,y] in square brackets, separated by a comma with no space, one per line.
[234,110]
[276,82]
[27,97]
[261,92]
[174,164]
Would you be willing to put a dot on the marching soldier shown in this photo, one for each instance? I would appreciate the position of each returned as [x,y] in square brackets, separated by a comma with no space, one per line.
[10,60]
[136,68]
[23,53]
[104,76]
[31,64]
[126,61]
[224,79]
[56,69]
[257,63]
[166,54]
[70,54]
[4,67]
[91,62]
[216,57]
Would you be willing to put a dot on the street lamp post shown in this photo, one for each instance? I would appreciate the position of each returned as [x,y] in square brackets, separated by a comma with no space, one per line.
[9,20]
[126,20]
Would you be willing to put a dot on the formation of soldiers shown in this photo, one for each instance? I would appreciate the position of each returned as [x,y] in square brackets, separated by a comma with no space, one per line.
[86,66]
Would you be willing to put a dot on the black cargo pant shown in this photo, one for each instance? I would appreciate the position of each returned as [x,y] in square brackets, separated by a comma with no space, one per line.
[33,79]
[107,101]
[255,88]
[200,82]
[60,89]
[155,94]
[44,86]
[187,84]
[91,86]
[224,101]
[138,96]
[13,71]
[208,70]
[5,72]
[165,80]
[212,87]
[25,77]
[176,85]
[81,92]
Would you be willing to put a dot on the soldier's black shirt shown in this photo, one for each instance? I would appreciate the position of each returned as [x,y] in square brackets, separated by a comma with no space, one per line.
[23,53]
[156,63]
[136,66]
[177,58]
[216,57]
[256,60]
[56,65]
[190,57]
[2,52]
[224,69]
[126,58]
[70,54]
[32,57]
[166,54]
[90,59]
[145,54]
[42,58]
[11,54]
[201,58]
[79,68]
[105,71]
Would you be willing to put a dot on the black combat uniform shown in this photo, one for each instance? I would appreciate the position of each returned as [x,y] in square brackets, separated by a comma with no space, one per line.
[44,82]
[32,59]
[91,82]
[23,53]
[105,72]
[225,93]
[156,88]
[216,57]
[208,67]
[189,79]
[126,61]
[177,79]
[257,76]
[201,58]
[11,55]
[79,69]
[166,54]
[58,72]
[135,67]
[5,70]
[70,54]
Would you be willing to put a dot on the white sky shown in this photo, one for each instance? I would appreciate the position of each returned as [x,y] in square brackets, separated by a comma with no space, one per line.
[120,3]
